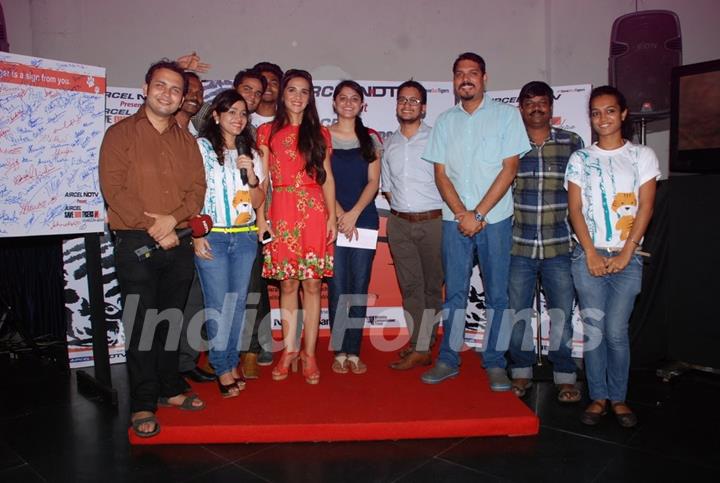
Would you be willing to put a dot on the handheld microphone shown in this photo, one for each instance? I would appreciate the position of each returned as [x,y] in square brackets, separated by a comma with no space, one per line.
[243,149]
[199,226]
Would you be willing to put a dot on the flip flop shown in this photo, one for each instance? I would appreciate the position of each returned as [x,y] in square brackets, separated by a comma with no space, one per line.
[187,404]
[145,434]
[521,391]
[569,395]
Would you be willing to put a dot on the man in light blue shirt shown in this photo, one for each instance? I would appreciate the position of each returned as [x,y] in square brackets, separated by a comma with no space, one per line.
[475,147]
[415,224]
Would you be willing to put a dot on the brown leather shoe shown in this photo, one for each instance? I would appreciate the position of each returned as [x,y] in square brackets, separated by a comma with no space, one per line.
[405,352]
[412,360]
[249,365]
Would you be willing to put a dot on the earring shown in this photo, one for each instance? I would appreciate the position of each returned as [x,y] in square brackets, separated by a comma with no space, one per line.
[217,122]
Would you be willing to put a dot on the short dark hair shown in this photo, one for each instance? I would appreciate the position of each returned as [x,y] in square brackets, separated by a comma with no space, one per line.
[265,66]
[536,88]
[470,56]
[416,85]
[251,74]
[189,74]
[166,63]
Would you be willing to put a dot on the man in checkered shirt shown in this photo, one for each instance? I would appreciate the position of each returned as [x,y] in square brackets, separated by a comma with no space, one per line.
[541,244]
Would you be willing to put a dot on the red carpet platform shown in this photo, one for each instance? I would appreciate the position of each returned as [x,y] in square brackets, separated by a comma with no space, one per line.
[380,405]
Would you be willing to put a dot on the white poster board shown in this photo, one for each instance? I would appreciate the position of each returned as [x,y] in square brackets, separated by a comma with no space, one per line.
[51,127]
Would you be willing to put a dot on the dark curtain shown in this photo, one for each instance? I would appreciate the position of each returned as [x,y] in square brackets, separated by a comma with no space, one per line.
[649,321]
[32,284]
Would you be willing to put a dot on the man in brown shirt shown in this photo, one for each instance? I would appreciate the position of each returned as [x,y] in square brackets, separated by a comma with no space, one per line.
[153,180]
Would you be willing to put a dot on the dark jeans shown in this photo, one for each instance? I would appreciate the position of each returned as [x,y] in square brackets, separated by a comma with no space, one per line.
[559,294]
[351,279]
[157,284]
[258,311]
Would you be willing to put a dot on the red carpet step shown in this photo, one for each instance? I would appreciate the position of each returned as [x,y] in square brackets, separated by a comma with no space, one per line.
[382,404]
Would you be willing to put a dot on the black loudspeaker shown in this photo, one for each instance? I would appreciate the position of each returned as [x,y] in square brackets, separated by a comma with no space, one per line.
[4,45]
[644,47]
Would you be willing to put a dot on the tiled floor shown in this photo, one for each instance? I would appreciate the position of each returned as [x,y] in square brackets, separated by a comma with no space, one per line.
[48,432]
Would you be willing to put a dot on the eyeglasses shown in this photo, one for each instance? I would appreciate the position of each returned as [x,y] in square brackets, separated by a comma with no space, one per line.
[413,101]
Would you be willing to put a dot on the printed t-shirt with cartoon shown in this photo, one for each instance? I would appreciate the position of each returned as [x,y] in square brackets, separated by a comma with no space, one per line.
[227,199]
[610,186]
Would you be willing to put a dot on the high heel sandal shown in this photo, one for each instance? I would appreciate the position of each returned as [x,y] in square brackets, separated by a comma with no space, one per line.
[311,372]
[282,369]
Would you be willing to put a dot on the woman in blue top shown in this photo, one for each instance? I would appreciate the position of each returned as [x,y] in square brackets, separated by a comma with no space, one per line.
[225,257]
[356,166]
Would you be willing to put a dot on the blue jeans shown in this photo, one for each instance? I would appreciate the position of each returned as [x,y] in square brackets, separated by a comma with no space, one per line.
[352,278]
[493,245]
[559,295]
[606,303]
[224,281]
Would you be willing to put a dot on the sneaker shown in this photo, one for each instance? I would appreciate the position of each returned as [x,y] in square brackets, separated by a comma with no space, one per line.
[439,373]
[499,380]
[265,358]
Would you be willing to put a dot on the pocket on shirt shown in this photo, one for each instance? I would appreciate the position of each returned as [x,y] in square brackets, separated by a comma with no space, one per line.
[490,149]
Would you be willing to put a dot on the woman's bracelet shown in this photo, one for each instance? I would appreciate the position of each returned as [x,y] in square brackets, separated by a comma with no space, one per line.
[636,243]
[257,182]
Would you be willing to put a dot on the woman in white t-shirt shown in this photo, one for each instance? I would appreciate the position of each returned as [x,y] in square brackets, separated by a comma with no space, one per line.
[224,259]
[611,192]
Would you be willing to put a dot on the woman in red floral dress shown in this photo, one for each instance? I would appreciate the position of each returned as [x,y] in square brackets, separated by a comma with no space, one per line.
[296,151]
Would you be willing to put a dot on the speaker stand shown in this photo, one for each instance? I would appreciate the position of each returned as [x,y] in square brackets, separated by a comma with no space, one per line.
[642,118]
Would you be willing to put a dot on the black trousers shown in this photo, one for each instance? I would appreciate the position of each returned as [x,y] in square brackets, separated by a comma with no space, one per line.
[153,292]
[188,352]
[262,308]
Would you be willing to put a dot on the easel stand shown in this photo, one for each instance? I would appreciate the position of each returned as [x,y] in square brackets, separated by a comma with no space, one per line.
[101,383]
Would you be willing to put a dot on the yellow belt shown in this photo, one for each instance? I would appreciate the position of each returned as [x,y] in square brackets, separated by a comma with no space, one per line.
[234,229]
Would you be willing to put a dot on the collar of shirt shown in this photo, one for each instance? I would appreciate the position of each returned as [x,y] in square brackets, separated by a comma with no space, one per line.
[552,137]
[141,116]
[421,130]
[460,107]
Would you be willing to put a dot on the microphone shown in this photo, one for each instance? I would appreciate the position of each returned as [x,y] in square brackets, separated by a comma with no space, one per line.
[199,226]
[242,149]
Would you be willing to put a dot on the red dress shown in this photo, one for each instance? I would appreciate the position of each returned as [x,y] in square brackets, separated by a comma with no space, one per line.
[298,213]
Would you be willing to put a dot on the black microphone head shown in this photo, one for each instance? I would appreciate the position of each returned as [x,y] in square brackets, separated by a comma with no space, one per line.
[241,146]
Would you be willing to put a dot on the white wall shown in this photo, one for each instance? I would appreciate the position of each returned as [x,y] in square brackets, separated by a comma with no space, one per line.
[561,41]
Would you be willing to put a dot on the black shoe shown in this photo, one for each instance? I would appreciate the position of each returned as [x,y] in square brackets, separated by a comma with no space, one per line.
[592,418]
[198,375]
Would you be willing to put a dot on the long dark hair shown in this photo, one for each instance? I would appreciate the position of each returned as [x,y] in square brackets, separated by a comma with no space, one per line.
[626,128]
[244,142]
[311,143]
[367,148]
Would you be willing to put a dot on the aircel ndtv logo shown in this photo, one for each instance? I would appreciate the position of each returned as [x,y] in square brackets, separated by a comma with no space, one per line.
[370,91]
[78,210]
[514,99]
[373,91]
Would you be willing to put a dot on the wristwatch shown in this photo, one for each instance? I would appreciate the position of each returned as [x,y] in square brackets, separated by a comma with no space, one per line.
[479,217]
